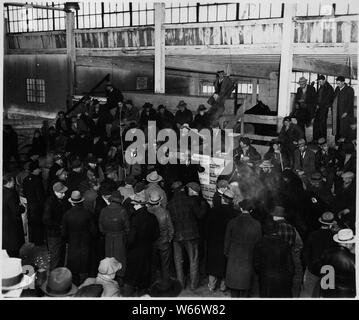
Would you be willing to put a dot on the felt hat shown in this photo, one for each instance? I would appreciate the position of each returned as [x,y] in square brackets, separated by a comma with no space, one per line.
[76,197]
[266,164]
[202,107]
[222,183]
[228,194]
[176,184]
[154,197]
[59,187]
[181,104]
[12,277]
[116,196]
[321,141]
[194,186]
[301,142]
[278,211]
[340,78]
[302,80]
[327,218]
[153,177]
[348,174]
[76,164]
[59,283]
[344,236]
[321,77]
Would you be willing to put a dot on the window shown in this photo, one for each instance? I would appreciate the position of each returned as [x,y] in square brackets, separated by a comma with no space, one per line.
[114,14]
[181,12]
[142,13]
[207,88]
[35,90]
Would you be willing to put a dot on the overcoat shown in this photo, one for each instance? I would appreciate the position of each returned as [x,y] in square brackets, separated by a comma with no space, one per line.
[242,234]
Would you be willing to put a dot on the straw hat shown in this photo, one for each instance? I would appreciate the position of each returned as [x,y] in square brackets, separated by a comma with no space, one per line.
[344,236]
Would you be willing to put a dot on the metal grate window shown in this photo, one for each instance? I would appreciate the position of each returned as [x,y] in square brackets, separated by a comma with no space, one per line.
[181,12]
[142,13]
[116,14]
[35,90]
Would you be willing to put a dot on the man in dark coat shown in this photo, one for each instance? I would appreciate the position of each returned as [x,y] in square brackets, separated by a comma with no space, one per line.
[165,118]
[54,209]
[317,243]
[342,259]
[305,103]
[147,114]
[183,115]
[12,226]
[274,263]
[343,107]
[78,229]
[62,123]
[144,231]
[246,153]
[76,176]
[325,101]
[114,95]
[289,136]
[114,224]
[10,146]
[201,119]
[242,234]
[304,160]
[34,193]
[215,229]
[223,87]
[184,210]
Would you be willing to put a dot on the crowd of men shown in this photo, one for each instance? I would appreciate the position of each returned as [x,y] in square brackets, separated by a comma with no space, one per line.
[275,220]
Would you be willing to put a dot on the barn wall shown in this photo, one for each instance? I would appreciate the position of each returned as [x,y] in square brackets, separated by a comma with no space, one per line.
[17,68]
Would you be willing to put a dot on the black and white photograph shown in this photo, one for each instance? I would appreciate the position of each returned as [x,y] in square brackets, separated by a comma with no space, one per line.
[159,150]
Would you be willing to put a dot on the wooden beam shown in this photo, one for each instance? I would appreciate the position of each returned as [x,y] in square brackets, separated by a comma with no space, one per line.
[198,65]
[71,55]
[159,47]
[286,61]
[320,66]
[254,91]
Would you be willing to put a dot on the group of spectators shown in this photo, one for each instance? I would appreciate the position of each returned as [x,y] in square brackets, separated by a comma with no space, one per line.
[144,229]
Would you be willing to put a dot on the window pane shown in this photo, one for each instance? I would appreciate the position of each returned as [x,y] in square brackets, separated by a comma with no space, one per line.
[168,16]
[202,14]
[175,15]
[184,15]
[243,10]
[222,12]
[341,7]
[150,17]
[232,11]
[254,10]
[265,9]
[212,13]
[276,10]
[192,14]
[126,19]
[135,21]
[143,18]
[326,9]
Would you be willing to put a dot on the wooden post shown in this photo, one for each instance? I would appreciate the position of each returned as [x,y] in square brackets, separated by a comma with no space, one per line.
[6,42]
[159,48]
[286,62]
[254,91]
[71,55]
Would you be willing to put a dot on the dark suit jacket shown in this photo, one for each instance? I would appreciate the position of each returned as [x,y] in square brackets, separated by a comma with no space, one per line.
[310,98]
[325,95]
[308,162]
[223,89]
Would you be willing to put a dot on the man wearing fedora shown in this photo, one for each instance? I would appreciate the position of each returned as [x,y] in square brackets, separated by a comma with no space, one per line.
[223,87]
[144,231]
[304,160]
[201,119]
[343,107]
[317,243]
[305,103]
[113,94]
[342,258]
[165,118]
[183,211]
[162,246]
[153,179]
[34,193]
[325,101]
[76,175]
[78,231]
[13,281]
[55,207]
[214,232]
[12,226]
[58,164]
[183,115]
[147,114]
[327,161]
[114,224]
